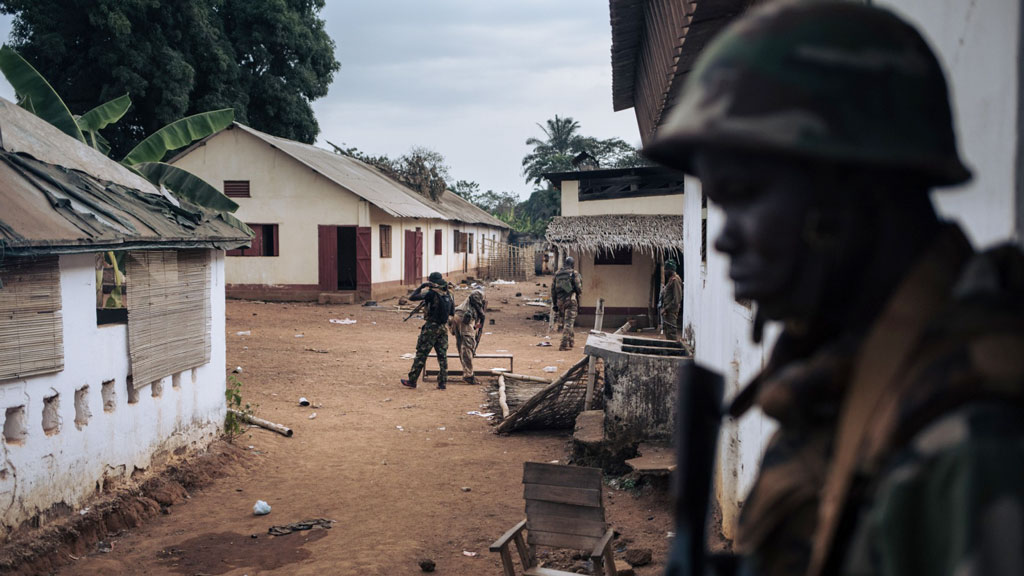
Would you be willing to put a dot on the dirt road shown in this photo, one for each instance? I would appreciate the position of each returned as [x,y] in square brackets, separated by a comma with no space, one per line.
[406,474]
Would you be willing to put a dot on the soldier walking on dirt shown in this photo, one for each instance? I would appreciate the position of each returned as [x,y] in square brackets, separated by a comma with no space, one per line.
[467,325]
[819,128]
[566,291]
[671,298]
[434,334]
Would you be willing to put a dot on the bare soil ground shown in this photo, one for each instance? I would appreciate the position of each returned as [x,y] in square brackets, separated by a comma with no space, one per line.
[391,465]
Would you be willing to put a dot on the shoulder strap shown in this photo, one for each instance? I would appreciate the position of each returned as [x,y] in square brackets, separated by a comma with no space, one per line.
[881,359]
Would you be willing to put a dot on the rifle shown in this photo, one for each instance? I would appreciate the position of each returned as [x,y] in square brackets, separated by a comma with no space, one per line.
[415,310]
[698,416]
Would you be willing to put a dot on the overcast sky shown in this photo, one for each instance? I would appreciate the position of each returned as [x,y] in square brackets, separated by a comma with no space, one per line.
[467,78]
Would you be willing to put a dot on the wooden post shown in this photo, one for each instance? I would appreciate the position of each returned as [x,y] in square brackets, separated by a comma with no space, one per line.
[502,400]
[599,315]
[592,362]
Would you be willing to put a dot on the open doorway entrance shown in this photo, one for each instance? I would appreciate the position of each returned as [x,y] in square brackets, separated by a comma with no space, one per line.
[344,258]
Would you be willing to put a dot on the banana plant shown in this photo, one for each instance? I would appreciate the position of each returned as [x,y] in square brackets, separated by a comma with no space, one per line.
[36,95]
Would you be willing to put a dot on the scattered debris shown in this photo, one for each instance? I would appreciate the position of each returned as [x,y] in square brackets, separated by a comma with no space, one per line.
[246,417]
[261,508]
[551,368]
[500,282]
[244,333]
[300,335]
[519,294]
[408,356]
[303,402]
[427,565]
[468,553]
[442,428]
[400,429]
[466,489]
[84,511]
[299,526]
[544,344]
[345,321]
[481,414]
[638,556]
[237,370]
[488,333]
[317,350]
[313,415]
[370,303]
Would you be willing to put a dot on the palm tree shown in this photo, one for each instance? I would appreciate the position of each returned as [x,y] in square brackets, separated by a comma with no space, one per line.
[556,152]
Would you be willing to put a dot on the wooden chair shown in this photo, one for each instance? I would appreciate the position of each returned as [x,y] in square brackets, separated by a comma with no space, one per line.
[564,509]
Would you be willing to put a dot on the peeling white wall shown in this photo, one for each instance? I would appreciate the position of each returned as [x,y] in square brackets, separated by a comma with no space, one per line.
[68,466]
[978,43]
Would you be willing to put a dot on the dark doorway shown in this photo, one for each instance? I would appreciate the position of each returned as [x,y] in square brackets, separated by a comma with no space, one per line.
[347,258]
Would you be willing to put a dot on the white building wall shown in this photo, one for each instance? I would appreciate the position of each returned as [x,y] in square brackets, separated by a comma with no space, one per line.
[979,45]
[70,465]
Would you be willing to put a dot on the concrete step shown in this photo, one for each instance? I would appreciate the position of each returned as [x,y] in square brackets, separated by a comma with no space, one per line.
[589,429]
[337,298]
[653,459]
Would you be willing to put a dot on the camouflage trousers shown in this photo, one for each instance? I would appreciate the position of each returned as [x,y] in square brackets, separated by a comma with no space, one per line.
[567,308]
[465,337]
[432,336]
[671,322]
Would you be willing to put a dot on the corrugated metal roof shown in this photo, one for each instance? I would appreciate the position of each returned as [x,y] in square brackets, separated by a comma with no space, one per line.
[373,186]
[59,195]
[355,176]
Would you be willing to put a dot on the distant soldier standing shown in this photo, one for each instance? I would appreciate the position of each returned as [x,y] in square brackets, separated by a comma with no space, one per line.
[434,333]
[467,324]
[671,298]
[566,291]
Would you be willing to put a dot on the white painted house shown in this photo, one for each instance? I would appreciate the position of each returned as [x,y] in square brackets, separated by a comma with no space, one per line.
[327,223]
[982,48]
[94,387]
[620,225]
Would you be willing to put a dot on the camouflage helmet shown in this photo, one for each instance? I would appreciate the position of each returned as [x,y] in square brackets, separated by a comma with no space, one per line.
[838,81]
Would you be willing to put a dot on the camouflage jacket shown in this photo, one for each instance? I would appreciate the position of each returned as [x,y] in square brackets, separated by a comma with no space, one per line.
[672,295]
[900,451]
[566,283]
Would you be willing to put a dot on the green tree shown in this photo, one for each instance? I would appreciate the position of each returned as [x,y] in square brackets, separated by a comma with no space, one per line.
[563,141]
[266,59]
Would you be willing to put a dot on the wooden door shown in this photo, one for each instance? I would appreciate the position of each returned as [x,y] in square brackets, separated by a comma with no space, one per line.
[364,278]
[409,258]
[327,257]
[418,267]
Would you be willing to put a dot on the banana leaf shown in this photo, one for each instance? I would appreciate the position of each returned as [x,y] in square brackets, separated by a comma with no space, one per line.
[186,185]
[179,134]
[104,115]
[36,94]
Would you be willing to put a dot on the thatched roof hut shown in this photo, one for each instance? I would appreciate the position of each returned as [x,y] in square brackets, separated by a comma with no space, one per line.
[646,234]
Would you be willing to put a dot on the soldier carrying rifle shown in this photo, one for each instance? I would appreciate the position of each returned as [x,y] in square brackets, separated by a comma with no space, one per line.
[434,334]
[819,129]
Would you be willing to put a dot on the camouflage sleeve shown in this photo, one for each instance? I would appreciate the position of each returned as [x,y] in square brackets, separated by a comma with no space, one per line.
[577,284]
[953,504]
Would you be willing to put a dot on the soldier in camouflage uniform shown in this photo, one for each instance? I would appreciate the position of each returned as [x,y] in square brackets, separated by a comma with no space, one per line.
[566,291]
[434,333]
[671,298]
[898,380]
[467,325]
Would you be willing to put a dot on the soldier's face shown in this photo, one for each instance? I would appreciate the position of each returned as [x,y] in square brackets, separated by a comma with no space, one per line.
[765,203]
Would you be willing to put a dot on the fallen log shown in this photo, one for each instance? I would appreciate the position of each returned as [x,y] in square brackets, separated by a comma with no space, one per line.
[502,400]
[525,378]
[244,417]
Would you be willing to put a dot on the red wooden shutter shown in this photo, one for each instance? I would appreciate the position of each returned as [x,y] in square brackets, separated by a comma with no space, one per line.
[438,240]
[236,188]
[419,256]
[328,257]
[364,279]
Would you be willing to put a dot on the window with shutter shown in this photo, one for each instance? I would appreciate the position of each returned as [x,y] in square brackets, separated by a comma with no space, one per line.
[168,313]
[31,328]
[385,241]
[236,188]
[438,241]
[264,241]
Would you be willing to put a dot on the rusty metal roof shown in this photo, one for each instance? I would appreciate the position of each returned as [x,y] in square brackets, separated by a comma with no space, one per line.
[59,195]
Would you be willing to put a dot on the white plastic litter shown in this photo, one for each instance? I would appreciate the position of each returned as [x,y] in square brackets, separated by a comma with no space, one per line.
[345,321]
[399,428]
[313,415]
[303,402]
[84,511]
[500,282]
[442,428]
[237,370]
[488,333]
[408,356]
[244,333]
[551,368]
[468,553]
[481,414]
[300,335]
[261,508]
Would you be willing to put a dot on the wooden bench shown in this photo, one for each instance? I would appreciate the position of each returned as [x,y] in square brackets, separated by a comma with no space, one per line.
[451,355]
[564,509]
